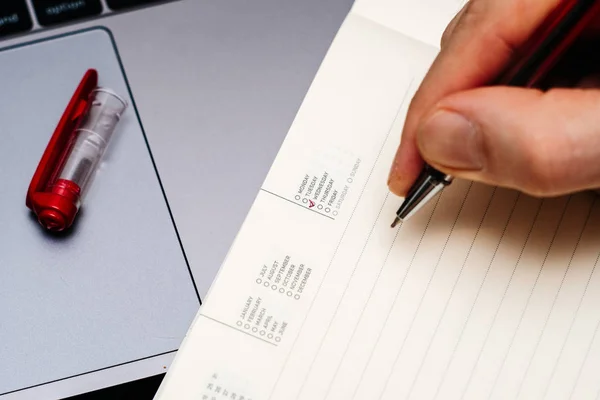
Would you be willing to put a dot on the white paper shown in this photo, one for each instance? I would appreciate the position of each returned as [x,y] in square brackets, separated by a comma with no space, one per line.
[485,293]
[424,20]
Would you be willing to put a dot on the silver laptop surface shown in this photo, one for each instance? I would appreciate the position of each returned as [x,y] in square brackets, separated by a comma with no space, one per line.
[212,88]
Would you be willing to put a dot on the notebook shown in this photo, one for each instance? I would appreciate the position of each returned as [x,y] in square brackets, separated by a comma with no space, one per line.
[484,294]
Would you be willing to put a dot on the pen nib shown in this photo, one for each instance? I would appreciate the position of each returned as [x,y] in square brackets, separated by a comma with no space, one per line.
[396,221]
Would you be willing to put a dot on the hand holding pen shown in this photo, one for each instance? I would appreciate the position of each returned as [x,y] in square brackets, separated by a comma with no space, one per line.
[480,114]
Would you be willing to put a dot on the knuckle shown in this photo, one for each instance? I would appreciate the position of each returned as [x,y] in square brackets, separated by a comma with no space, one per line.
[465,17]
[448,31]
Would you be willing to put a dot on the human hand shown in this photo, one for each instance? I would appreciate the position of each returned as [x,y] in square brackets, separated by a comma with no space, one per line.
[541,143]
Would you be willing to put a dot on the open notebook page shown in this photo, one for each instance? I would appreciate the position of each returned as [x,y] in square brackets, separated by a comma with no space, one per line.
[485,293]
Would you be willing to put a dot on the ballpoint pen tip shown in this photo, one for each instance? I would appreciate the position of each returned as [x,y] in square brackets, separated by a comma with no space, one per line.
[396,221]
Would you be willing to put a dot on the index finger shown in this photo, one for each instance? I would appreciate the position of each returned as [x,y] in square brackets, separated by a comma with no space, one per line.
[481,44]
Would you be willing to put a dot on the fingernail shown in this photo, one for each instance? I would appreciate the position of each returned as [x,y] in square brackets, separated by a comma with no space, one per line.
[448,139]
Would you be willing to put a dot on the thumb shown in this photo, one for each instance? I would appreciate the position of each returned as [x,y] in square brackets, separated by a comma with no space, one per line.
[541,143]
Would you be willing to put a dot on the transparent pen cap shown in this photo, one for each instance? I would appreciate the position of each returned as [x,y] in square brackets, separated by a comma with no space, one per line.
[92,138]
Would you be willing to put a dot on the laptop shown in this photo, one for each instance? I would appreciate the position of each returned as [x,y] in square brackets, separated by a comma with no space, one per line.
[212,88]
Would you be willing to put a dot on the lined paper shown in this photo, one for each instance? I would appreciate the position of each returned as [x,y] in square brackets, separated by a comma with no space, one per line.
[484,294]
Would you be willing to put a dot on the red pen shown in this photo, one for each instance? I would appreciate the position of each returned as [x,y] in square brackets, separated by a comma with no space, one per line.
[563,26]
[73,154]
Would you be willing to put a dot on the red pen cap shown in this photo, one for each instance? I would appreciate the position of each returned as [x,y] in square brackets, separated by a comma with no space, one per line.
[73,154]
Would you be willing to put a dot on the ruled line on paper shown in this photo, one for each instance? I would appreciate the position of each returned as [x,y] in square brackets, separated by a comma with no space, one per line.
[425,292]
[502,236]
[587,354]
[367,241]
[573,319]
[358,202]
[537,214]
[411,263]
[464,263]
[512,340]
[539,339]
[362,313]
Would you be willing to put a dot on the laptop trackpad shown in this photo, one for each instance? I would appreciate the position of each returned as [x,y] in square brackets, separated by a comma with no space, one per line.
[117,288]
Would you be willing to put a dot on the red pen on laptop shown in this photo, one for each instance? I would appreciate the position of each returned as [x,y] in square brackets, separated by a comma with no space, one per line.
[73,154]
[536,58]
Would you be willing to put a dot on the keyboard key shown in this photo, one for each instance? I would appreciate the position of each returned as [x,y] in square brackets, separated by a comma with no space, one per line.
[52,12]
[122,4]
[14,17]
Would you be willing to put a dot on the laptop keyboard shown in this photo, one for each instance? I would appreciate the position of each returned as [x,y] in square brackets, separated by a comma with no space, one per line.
[53,12]
[123,4]
[14,17]
[17,17]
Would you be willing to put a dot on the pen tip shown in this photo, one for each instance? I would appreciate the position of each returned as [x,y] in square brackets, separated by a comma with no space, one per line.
[396,221]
